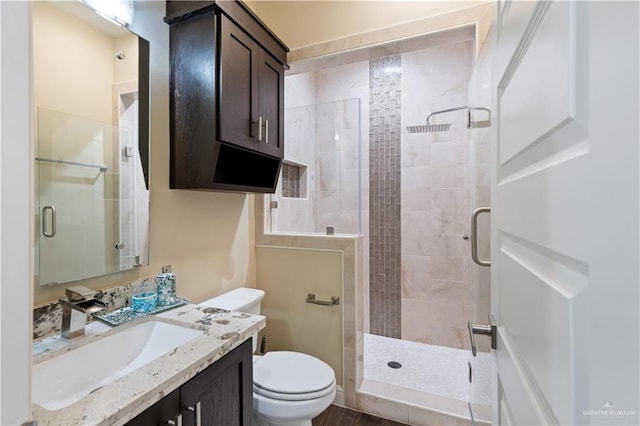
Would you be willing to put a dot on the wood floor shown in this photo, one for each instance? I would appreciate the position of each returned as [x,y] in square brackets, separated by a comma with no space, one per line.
[338,416]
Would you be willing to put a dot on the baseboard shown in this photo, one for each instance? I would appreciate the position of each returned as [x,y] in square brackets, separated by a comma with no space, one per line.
[339,398]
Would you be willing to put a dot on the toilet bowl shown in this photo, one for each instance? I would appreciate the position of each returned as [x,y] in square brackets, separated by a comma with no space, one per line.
[289,388]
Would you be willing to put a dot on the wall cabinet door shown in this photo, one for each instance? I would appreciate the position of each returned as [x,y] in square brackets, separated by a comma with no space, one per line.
[271,99]
[238,87]
[251,100]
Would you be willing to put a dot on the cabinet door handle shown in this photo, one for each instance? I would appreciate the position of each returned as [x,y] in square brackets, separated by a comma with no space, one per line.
[176,422]
[196,409]
[45,231]
[260,128]
[266,130]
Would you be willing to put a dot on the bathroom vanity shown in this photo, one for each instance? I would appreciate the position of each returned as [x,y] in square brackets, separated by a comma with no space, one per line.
[219,395]
[207,377]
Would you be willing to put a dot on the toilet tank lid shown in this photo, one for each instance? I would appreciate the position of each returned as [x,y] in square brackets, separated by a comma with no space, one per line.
[236,300]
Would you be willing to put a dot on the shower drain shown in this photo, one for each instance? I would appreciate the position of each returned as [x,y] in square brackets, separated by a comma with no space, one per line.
[394,364]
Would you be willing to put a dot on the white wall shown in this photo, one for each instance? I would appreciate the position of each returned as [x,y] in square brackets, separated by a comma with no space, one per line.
[16,234]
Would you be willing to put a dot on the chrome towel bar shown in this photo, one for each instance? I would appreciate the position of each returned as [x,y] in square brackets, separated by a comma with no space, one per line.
[311,298]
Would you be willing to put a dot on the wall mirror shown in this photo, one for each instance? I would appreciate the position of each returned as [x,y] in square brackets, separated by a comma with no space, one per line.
[91,94]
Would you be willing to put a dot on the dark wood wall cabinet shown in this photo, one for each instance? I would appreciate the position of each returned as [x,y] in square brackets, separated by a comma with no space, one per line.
[222,394]
[227,98]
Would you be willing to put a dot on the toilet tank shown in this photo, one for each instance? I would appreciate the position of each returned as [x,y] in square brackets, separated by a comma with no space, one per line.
[240,300]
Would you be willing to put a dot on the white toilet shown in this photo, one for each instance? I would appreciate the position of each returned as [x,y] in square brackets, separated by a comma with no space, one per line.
[289,388]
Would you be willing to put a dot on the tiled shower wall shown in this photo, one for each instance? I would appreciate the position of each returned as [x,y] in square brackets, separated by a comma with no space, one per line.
[431,293]
[435,186]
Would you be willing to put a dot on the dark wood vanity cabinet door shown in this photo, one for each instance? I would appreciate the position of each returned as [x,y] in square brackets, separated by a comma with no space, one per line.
[168,408]
[271,83]
[238,85]
[224,391]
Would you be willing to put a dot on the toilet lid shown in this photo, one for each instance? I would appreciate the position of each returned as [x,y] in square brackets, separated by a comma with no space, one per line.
[285,372]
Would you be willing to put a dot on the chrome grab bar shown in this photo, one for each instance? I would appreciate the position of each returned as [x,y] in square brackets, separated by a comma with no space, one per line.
[474,236]
[45,232]
[311,298]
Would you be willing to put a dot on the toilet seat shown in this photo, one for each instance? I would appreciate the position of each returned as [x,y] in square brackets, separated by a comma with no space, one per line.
[294,396]
[292,376]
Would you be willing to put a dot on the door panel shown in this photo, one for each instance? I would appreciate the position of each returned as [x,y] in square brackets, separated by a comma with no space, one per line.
[565,198]
[271,99]
[238,100]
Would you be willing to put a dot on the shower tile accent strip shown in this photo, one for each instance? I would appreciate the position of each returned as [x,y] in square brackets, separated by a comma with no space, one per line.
[384,196]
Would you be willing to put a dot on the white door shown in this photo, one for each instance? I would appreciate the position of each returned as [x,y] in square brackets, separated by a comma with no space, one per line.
[565,194]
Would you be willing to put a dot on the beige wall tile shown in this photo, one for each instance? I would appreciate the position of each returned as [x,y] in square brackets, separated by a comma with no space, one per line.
[447,303]
[416,277]
[415,320]
[383,407]
[447,260]
[415,189]
[416,233]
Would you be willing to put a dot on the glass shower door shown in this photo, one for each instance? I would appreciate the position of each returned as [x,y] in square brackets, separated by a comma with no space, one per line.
[319,190]
[480,365]
[77,198]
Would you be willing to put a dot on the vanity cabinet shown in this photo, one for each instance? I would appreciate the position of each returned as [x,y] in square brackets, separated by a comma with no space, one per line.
[227,98]
[222,394]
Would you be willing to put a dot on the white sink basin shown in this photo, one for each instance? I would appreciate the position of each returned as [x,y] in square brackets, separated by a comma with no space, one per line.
[69,377]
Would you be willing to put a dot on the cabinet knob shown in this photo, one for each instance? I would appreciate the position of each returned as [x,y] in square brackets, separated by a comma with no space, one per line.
[266,130]
[260,128]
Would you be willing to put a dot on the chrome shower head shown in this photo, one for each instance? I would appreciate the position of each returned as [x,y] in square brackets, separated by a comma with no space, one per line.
[429,128]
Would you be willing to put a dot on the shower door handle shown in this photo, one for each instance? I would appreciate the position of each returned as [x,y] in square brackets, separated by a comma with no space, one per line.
[490,329]
[49,233]
[474,236]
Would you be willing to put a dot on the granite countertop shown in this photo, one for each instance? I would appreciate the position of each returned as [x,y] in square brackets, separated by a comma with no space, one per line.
[120,401]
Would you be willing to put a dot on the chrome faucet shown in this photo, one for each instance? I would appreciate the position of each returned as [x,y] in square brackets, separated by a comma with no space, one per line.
[75,307]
